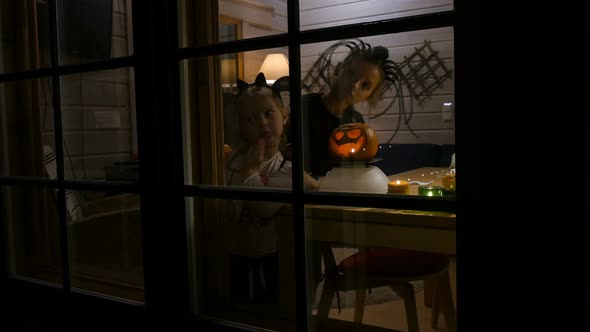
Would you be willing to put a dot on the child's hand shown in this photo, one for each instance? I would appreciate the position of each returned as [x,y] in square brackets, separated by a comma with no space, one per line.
[310,183]
[253,158]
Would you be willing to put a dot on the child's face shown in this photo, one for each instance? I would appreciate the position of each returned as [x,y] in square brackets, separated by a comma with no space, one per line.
[261,117]
[357,80]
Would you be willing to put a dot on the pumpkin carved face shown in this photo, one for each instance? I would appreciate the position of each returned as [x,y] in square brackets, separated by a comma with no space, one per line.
[354,142]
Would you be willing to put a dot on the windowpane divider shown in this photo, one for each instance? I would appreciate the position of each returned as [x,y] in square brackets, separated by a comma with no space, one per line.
[421,203]
[397,25]
[59,153]
[391,26]
[242,45]
[120,187]
[28,180]
[116,63]
[302,312]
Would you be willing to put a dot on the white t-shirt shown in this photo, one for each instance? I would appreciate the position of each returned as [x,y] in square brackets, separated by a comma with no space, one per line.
[251,227]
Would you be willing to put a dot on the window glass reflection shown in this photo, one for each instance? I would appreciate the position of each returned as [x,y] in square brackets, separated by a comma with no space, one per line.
[317,14]
[385,268]
[238,100]
[99,127]
[29,220]
[208,22]
[26,129]
[92,30]
[24,36]
[105,243]
[244,261]
[376,108]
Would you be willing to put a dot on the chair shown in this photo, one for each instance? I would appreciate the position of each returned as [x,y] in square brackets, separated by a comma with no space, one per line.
[114,218]
[370,268]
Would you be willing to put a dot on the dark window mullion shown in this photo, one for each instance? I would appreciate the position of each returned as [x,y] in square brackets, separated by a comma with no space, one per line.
[61,199]
[26,75]
[159,134]
[28,180]
[122,62]
[421,203]
[391,26]
[397,25]
[119,187]
[240,193]
[234,46]
[302,312]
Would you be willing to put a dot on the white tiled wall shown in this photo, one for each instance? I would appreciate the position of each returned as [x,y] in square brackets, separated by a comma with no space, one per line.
[92,145]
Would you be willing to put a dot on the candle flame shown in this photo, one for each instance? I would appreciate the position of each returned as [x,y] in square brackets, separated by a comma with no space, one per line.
[398,182]
[352,150]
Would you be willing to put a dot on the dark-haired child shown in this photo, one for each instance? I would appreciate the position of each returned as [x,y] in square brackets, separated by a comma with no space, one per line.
[360,77]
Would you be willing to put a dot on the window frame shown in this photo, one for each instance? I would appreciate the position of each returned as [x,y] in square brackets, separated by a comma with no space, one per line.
[156,63]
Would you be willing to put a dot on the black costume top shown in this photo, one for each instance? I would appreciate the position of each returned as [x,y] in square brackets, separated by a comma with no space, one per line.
[318,124]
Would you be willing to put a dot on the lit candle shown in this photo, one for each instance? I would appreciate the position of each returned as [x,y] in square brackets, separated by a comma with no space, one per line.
[398,187]
[427,190]
[448,181]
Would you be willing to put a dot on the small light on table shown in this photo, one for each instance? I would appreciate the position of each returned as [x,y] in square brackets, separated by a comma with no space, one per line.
[427,190]
[398,187]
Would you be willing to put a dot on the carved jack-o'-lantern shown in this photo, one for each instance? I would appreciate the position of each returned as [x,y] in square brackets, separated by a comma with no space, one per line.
[353,141]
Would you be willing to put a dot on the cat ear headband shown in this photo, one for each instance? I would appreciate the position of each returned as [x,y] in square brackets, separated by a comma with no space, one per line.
[280,85]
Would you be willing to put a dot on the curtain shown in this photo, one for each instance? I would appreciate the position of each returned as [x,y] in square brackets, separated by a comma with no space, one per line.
[204,106]
[32,221]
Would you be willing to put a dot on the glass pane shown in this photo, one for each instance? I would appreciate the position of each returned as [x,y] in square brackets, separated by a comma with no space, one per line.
[100,137]
[221,125]
[243,268]
[378,107]
[26,128]
[315,14]
[105,243]
[24,35]
[384,255]
[31,232]
[92,30]
[208,22]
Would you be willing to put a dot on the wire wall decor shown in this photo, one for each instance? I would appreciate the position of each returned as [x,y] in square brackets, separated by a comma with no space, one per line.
[424,72]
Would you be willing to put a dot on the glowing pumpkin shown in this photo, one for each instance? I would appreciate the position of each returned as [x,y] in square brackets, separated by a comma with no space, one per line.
[353,142]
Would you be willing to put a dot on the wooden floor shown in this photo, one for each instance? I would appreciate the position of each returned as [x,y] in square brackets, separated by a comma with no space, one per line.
[391,315]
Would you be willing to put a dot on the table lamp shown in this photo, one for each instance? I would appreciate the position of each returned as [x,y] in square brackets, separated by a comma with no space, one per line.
[275,66]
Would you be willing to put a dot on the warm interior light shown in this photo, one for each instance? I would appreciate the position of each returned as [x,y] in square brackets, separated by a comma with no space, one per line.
[275,66]
[228,71]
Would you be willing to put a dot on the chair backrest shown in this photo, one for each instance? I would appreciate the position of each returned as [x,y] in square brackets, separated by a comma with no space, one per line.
[72,199]
[397,158]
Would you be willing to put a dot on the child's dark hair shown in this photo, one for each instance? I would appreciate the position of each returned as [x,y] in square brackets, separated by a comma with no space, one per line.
[393,78]
[379,56]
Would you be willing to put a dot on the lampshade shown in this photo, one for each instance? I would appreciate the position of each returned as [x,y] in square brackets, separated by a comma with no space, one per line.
[275,66]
